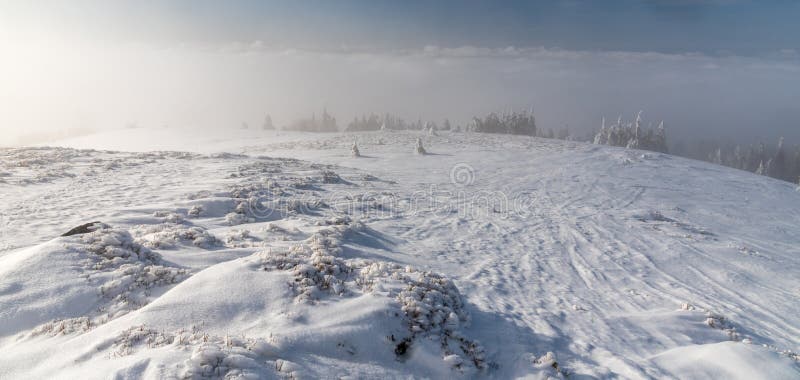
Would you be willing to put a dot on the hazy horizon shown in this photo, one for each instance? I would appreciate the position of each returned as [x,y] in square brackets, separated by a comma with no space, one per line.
[721,70]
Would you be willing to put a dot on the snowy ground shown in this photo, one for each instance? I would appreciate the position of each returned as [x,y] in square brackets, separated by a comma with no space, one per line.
[274,254]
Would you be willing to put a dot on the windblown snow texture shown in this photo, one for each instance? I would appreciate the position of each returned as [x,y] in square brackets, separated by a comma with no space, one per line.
[487,257]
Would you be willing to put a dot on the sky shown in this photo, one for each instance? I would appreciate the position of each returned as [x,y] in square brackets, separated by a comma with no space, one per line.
[717,69]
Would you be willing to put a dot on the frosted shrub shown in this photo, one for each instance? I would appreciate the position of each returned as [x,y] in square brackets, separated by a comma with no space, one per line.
[64,327]
[195,211]
[430,305]
[418,148]
[168,217]
[126,272]
[314,265]
[169,236]
[433,307]
[329,176]
[239,239]
[719,322]
[235,218]
[211,355]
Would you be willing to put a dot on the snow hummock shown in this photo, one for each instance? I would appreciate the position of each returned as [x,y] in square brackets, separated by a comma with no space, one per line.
[266,254]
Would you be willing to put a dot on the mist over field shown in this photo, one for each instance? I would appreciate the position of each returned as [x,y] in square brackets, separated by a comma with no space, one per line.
[89,66]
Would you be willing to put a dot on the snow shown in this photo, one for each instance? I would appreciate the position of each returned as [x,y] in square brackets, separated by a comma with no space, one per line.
[268,254]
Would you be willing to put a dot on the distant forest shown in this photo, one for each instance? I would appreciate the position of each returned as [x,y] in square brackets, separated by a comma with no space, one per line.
[776,161]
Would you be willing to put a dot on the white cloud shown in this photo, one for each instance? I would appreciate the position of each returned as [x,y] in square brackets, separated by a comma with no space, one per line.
[55,86]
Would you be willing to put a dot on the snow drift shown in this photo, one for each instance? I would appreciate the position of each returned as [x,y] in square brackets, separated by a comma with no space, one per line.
[487,257]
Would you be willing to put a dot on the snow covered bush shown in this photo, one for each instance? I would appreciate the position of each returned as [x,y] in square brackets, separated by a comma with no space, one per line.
[330,176]
[547,362]
[66,326]
[169,217]
[252,202]
[315,266]
[125,270]
[300,206]
[433,307]
[195,211]
[430,304]
[716,321]
[719,322]
[211,356]
[418,148]
[236,218]
[236,238]
[169,236]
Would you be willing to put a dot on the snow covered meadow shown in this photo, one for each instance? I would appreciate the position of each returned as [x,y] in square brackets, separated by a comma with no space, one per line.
[268,254]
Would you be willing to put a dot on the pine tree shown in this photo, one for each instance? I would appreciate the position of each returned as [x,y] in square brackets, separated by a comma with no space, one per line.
[777,168]
[267,123]
[796,166]
[661,139]
[601,138]
[738,159]
[431,128]
[717,157]
[632,135]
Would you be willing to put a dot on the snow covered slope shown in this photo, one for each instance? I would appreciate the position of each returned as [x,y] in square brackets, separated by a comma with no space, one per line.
[273,254]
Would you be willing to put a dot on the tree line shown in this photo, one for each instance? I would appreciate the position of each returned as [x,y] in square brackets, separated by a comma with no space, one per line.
[773,161]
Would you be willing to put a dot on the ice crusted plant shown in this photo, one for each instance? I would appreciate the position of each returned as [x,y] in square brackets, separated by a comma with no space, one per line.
[430,304]
[127,272]
[354,150]
[169,236]
[433,307]
[330,176]
[719,322]
[236,238]
[249,200]
[64,327]
[299,206]
[235,219]
[134,269]
[418,148]
[338,221]
[314,264]
[211,356]
[168,217]
[195,211]
[716,321]
[548,362]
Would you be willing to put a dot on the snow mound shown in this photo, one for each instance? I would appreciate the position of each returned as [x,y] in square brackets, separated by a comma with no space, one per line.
[125,274]
[724,360]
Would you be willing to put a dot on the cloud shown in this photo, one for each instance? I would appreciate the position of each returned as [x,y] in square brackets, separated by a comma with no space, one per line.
[222,85]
